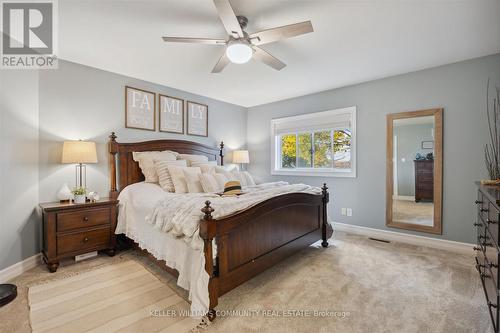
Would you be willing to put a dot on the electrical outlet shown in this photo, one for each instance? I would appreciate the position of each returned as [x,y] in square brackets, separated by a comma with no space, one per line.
[344,211]
[349,211]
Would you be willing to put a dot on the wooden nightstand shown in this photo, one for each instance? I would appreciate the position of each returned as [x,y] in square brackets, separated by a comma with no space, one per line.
[73,229]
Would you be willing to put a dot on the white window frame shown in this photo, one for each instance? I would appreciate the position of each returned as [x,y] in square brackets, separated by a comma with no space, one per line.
[326,172]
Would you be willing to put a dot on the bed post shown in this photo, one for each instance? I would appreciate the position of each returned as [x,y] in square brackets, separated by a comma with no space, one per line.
[207,232]
[326,198]
[221,152]
[113,150]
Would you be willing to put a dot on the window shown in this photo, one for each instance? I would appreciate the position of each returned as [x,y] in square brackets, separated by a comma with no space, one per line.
[315,144]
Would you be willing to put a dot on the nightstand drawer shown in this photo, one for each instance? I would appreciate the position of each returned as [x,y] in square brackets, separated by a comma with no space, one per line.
[76,242]
[82,219]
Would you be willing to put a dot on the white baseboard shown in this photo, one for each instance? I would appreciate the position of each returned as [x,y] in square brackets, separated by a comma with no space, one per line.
[442,244]
[19,268]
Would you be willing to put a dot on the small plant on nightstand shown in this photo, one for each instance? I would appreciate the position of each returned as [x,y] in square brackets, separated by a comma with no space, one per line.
[80,195]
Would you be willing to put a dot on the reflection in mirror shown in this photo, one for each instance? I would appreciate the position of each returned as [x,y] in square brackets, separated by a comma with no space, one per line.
[413,171]
[413,188]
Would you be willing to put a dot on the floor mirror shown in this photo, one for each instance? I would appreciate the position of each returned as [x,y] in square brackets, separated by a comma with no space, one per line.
[414,170]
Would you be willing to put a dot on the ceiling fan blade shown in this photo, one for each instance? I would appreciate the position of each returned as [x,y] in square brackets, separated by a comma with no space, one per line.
[279,33]
[221,64]
[228,18]
[268,59]
[194,40]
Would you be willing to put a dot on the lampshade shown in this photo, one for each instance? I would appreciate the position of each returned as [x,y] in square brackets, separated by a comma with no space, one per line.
[79,152]
[241,157]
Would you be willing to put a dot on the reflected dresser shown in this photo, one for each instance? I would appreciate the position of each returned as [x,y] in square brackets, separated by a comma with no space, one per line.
[424,180]
[487,248]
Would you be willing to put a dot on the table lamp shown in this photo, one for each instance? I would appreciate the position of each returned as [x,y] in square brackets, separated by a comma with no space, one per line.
[79,153]
[241,157]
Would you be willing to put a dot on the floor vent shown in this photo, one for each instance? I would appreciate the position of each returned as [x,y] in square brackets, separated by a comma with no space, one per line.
[379,240]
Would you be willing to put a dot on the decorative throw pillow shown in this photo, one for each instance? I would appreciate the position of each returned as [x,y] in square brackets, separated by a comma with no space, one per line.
[228,174]
[178,175]
[212,183]
[146,162]
[206,167]
[249,179]
[193,182]
[239,176]
[192,158]
[244,177]
[164,177]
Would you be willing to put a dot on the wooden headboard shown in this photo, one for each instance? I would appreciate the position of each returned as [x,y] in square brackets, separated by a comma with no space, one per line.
[127,171]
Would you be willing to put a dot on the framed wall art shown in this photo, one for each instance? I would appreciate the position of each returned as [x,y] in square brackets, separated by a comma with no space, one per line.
[140,109]
[171,114]
[197,119]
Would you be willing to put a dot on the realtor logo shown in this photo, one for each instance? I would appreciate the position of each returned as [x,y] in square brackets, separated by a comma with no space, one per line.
[28,34]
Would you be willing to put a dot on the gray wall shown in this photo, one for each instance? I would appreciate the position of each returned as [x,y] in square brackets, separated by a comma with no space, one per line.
[19,223]
[80,102]
[409,143]
[459,88]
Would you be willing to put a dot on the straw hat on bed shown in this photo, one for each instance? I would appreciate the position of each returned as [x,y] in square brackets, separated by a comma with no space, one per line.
[232,187]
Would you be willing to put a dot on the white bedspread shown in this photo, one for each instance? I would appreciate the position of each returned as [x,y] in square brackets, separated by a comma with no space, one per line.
[171,232]
[181,218]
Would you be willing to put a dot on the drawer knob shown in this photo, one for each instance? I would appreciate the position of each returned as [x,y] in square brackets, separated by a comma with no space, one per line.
[487,244]
[484,210]
[86,239]
[477,202]
[493,265]
[477,224]
[491,305]
[490,221]
[85,219]
[477,248]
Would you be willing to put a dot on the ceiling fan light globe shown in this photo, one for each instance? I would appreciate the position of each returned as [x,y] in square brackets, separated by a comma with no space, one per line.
[239,52]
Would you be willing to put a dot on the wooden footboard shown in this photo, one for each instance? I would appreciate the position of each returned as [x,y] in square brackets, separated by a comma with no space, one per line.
[248,242]
[253,240]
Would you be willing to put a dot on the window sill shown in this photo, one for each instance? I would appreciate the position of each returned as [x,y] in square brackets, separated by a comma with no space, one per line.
[318,173]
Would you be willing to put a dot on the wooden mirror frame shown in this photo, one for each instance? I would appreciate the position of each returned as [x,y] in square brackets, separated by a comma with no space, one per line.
[438,170]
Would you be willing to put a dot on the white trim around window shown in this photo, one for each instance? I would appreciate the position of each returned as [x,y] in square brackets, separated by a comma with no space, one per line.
[344,118]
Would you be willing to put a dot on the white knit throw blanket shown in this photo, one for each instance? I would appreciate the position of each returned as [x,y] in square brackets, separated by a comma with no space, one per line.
[181,217]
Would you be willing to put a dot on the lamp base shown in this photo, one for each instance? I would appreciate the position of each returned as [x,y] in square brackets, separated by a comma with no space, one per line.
[8,292]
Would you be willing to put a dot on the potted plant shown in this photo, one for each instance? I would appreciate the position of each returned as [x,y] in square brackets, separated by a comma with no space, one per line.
[492,150]
[79,195]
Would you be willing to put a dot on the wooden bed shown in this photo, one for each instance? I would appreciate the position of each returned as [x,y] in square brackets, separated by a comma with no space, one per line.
[248,242]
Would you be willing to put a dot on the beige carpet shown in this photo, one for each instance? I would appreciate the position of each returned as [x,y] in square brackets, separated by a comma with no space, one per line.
[406,211]
[383,287]
[116,298]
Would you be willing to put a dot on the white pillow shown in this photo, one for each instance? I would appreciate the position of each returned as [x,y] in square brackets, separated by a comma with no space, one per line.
[212,183]
[146,162]
[179,178]
[206,167]
[230,167]
[244,177]
[249,179]
[193,181]
[164,177]
[229,175]
[192,158]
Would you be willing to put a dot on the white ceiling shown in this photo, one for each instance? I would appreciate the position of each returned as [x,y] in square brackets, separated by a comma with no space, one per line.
[354,41]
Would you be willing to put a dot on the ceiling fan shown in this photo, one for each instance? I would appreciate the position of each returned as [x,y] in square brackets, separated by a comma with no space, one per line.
[241,46]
